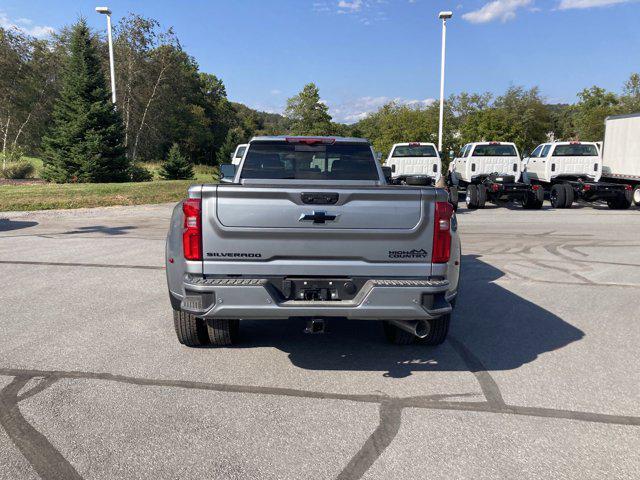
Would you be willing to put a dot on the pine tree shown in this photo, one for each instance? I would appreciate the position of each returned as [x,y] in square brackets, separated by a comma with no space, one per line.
[231,141]
[176,166]
[309,114]
[85,140]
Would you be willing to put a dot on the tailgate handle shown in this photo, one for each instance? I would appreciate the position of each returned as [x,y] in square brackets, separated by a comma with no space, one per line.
[319,198]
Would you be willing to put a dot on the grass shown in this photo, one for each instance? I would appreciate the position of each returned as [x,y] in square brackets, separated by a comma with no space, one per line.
[87,195]
[201,173]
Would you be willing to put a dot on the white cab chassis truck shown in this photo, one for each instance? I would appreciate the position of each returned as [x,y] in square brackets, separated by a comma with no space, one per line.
[236,158]
[621,154]
[418,164]
[490,171]
[571,171]
[415,159]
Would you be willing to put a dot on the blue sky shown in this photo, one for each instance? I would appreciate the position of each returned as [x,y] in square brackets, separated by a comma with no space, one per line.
[363,53]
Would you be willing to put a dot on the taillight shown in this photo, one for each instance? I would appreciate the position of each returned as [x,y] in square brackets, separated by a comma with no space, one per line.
[586,188]
[442,232]
[535,188]
[627,187]
[192,235]
[495,187]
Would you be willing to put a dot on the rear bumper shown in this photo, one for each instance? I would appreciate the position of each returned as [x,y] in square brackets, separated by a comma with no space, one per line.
[601,191]
[378,299]
[508,191]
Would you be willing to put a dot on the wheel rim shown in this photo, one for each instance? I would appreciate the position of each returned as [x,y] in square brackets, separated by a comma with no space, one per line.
[554,196]
[636,196]
[468,199]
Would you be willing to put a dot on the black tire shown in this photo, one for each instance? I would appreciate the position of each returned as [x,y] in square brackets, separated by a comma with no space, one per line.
[569,195]
[396,335]
[531,201]
[453,197]
[539,194]
[558,196]
[223,331]
[472,197]
[622,202]
[482,196]
[438,331]
[190,330]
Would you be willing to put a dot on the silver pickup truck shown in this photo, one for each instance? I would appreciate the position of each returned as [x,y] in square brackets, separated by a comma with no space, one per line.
[307,227]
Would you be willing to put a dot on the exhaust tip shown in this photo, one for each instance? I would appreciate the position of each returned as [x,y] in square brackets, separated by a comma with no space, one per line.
[422,329]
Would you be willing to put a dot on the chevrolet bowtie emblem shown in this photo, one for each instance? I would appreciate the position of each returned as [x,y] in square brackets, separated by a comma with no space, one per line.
[317,217]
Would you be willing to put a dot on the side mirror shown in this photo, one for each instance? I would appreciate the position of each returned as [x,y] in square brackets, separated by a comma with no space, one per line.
[393,168]
[386,171]
[227,172]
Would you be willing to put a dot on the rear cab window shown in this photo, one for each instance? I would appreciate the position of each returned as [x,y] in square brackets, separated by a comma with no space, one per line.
[309,161]
[496,150]
[414,151]
[575,150]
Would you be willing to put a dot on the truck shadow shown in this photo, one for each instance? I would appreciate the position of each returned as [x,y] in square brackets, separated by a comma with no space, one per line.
[503,330]
[6,224]
[463,210]
[102,229]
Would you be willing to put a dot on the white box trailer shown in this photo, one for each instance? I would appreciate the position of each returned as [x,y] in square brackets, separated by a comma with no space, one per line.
[621,152]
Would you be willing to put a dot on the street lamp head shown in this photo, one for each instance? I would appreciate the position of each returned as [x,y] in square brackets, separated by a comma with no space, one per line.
[445,15]
[103,10]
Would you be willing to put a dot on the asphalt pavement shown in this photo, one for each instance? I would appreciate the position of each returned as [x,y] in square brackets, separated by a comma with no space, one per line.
[540,377]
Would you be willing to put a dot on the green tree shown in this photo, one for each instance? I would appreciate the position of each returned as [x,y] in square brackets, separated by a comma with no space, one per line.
[27,86]
[308,114]
[518,116]
[176,166]
[234,137]
[594,106]
[395,123]
[85,141]
[630,99]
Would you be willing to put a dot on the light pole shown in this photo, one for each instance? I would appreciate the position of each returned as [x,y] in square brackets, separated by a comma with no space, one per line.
[444,16]
[112,68]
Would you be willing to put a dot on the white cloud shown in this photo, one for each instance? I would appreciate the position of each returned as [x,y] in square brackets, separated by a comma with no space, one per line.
[582,4]
[275,91]
[321,7]
[503,10]
[349,7]
[354,110]
[25,25]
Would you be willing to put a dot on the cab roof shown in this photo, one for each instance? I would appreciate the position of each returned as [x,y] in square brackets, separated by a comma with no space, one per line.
[285,138]
[492,143]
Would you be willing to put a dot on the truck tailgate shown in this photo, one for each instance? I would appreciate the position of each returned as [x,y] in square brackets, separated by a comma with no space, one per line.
[353,231]
[500,165]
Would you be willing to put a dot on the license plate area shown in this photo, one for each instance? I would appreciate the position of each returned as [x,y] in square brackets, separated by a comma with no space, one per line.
[319,289]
